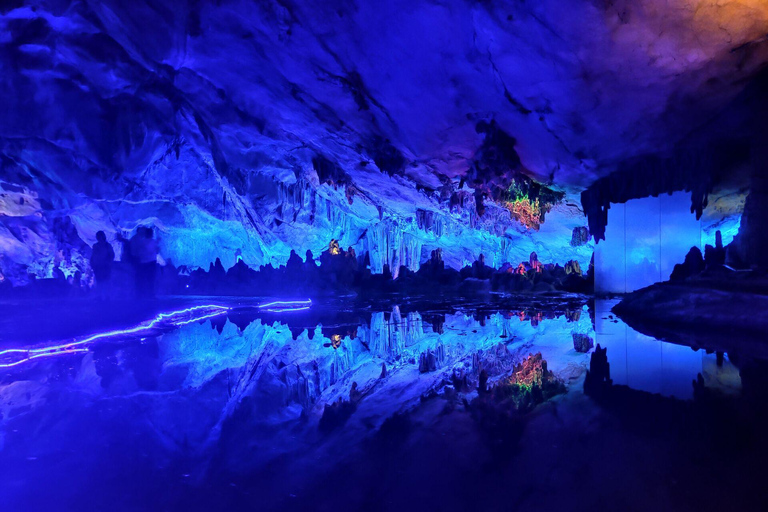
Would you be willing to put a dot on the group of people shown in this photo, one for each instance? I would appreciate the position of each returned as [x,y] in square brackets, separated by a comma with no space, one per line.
[140,251]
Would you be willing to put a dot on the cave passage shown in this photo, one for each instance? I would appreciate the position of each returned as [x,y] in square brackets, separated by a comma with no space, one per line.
[386,256]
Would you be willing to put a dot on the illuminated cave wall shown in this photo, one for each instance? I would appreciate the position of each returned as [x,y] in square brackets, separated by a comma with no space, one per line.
[645,238]
[262,127]
[199,217]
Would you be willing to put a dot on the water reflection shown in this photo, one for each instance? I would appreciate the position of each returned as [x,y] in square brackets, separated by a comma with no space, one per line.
[329,345]
[647,364]
[240,391]
[337,347]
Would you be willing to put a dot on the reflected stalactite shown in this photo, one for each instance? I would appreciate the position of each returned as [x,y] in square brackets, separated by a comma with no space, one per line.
[431,360]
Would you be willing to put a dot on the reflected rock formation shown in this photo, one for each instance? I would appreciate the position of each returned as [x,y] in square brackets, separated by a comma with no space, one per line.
[359,255]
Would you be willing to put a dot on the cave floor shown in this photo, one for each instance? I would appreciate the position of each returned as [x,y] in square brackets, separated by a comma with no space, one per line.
[215,409]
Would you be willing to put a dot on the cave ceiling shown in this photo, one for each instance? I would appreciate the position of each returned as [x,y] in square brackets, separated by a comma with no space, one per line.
[397,103]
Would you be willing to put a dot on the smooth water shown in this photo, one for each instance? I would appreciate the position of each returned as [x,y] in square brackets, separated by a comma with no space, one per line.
[211,409]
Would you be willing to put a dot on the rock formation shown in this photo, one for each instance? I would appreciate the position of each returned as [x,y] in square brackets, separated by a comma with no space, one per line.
[124,114]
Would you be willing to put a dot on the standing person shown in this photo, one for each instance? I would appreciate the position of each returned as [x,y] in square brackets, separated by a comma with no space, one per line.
[102,257]
[144,250]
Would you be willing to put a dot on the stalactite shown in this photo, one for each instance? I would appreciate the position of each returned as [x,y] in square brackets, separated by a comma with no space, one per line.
[386,338]
[695,171]
[414,329]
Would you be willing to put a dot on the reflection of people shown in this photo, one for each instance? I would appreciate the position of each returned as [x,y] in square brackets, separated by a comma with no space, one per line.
[102,257]
[144,251]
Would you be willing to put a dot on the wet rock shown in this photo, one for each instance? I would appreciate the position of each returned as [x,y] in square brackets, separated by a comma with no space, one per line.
[579,236]
[582,342]
[430,360]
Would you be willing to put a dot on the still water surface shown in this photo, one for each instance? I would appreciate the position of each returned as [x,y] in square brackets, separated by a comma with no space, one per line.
[213,407]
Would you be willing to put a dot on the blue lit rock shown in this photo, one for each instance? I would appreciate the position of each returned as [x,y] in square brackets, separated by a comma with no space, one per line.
[206,119]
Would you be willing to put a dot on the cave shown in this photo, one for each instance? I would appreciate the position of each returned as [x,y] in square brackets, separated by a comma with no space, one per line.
[359,255]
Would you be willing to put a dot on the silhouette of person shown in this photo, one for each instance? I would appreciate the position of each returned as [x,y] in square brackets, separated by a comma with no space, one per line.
[294,262]
[102,257]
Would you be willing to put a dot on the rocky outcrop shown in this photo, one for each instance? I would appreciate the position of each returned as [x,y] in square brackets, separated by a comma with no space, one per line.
[580,236]
[693,265]
[431,360]
[582,342]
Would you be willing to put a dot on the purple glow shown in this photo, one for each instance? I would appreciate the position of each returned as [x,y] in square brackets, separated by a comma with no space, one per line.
[306,303]
[69,348]
[47,354]
[185,322]
[286,310]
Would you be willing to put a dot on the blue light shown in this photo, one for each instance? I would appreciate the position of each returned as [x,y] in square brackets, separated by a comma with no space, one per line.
[286,310]
[69,348]
[48,354]
[306,303]
[185,322]
[77,346]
